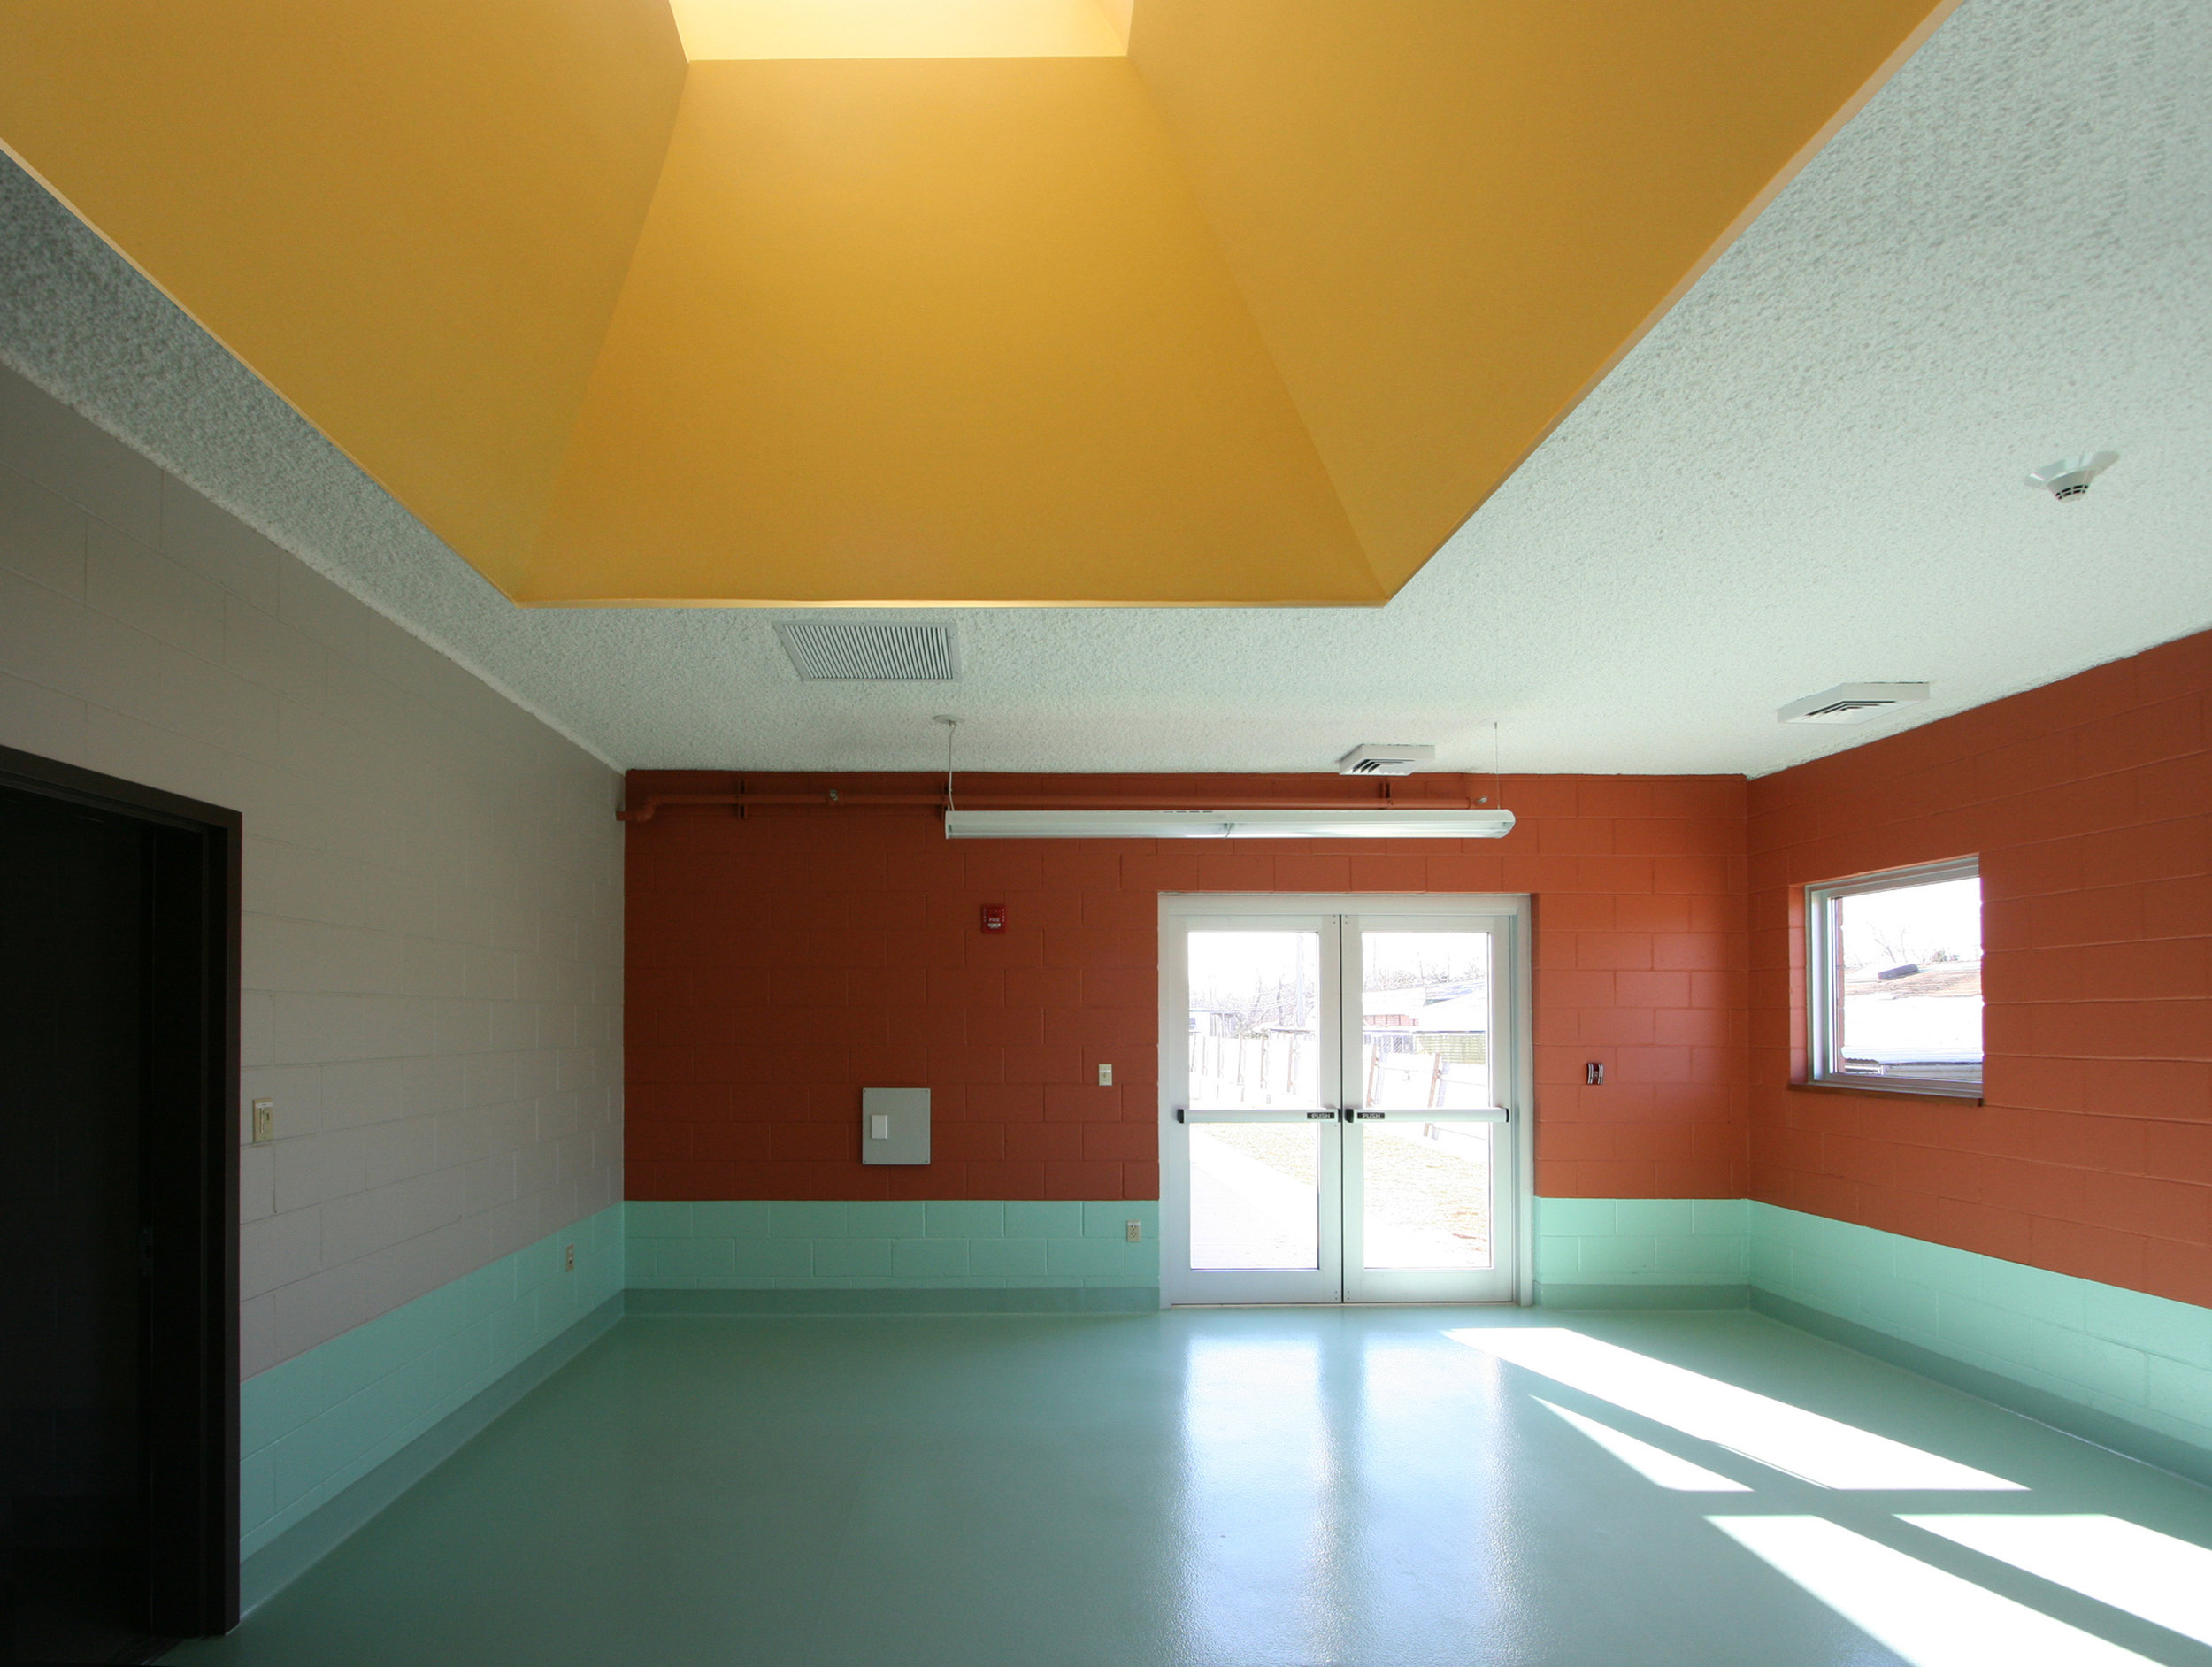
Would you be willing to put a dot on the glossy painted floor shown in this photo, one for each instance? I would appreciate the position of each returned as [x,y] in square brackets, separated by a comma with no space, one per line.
[1249,1488]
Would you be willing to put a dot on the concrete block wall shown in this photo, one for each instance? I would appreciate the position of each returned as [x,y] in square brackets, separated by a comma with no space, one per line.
[2088,802]
[432,932]
[876,1244]
[859,930]
[2142,1359]
[1645,1241]
[2137,1360]
[322,1420]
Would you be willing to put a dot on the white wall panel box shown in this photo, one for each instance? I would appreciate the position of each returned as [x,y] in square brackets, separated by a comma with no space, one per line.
[894,1125]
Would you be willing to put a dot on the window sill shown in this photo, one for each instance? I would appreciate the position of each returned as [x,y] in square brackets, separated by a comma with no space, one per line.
[1887,1094]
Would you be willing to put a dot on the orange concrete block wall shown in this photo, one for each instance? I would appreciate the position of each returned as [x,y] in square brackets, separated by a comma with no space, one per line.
[2089,802]
[780,960]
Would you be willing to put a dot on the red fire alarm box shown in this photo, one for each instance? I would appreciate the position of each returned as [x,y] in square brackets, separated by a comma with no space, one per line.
[995,917]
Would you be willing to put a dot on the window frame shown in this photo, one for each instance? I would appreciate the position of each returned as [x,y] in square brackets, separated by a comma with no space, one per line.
[1824,987]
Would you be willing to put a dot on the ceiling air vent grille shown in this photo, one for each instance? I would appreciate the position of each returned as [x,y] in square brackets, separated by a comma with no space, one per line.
[1386,758]
[1851,702]
[860,651]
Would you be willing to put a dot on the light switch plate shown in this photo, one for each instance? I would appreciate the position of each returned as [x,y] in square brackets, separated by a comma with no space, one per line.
[905,1114]
[1105,1076]
[264,1121]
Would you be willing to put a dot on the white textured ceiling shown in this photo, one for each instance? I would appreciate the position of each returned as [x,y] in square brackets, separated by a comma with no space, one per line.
[1808,473]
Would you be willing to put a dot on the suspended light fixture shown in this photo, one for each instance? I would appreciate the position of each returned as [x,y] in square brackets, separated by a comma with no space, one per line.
[1353,822]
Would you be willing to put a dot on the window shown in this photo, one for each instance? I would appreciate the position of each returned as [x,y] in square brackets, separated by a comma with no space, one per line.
[1894,974]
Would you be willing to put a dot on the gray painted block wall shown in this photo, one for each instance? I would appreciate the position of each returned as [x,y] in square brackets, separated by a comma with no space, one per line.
[432,932]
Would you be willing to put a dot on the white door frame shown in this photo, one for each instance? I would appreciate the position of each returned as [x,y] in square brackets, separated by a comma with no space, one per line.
[1513,1002]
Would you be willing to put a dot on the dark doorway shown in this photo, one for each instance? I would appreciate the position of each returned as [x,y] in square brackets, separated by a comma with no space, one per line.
[117,1208]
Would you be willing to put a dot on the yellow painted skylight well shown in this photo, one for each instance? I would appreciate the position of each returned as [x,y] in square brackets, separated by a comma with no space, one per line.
[725,29]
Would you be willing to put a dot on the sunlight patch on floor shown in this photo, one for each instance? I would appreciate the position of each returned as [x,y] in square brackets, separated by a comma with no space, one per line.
[1930,1618]
[1652,1463]
[2165,1580]
[1803,1444]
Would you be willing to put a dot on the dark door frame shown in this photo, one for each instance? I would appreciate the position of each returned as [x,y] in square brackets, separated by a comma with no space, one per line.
[191,1412]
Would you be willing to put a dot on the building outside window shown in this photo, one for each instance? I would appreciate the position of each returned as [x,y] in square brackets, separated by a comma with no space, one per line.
[1894,974]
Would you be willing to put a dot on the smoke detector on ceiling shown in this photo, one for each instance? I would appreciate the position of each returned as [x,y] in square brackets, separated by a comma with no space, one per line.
[1385,758]
[2070,477]
[1851,702]
[871,651]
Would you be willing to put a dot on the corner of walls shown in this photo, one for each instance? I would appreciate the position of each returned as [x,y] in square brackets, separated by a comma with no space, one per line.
[2087,803]
[2129,1359]
[1641,1252]
[432,930]
[325,1419]
[2125,1368]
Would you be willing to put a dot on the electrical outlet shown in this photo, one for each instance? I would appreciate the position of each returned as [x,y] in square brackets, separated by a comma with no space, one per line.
[264,1121]
[568,1263]
[1594,1074]
[1105,1076]
[1134,1232]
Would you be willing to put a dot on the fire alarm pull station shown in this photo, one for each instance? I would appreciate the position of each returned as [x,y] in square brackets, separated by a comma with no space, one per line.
[995,917]
[894,1125]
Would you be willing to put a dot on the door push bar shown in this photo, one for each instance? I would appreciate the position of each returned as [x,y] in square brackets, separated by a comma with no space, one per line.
[1329,1115]
[1433,1114]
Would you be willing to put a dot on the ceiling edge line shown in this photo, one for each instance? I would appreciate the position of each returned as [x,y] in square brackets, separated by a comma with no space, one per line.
[321,568]
[528,550]
[1761,200]
[1919,715]
[927,603]
[1259,331]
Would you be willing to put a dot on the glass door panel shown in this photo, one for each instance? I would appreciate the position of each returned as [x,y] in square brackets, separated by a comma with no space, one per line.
[1256,1196]
[1421,1193]
[1336,1088]
[1425,1196]
[1254,1012]
[1425,1019]
[1261,1176]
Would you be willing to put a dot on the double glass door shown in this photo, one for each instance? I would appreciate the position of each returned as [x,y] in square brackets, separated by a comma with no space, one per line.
[1339,1100]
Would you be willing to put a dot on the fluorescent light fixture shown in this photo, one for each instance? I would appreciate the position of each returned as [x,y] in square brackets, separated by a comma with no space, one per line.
[1652,1463]
[1928,1616]
[1352,824]
[2164,1579]
[1789,1439]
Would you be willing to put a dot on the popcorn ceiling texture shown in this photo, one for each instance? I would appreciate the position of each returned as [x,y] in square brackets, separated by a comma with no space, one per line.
[1809,472]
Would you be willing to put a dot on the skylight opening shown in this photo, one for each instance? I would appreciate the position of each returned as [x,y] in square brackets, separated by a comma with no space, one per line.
[725,29]
[1803,1444]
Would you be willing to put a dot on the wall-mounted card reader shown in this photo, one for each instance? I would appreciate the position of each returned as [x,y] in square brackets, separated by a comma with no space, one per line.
[894,1125]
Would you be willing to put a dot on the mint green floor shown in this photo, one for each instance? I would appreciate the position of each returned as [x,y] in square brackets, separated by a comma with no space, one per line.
[1232,1487]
